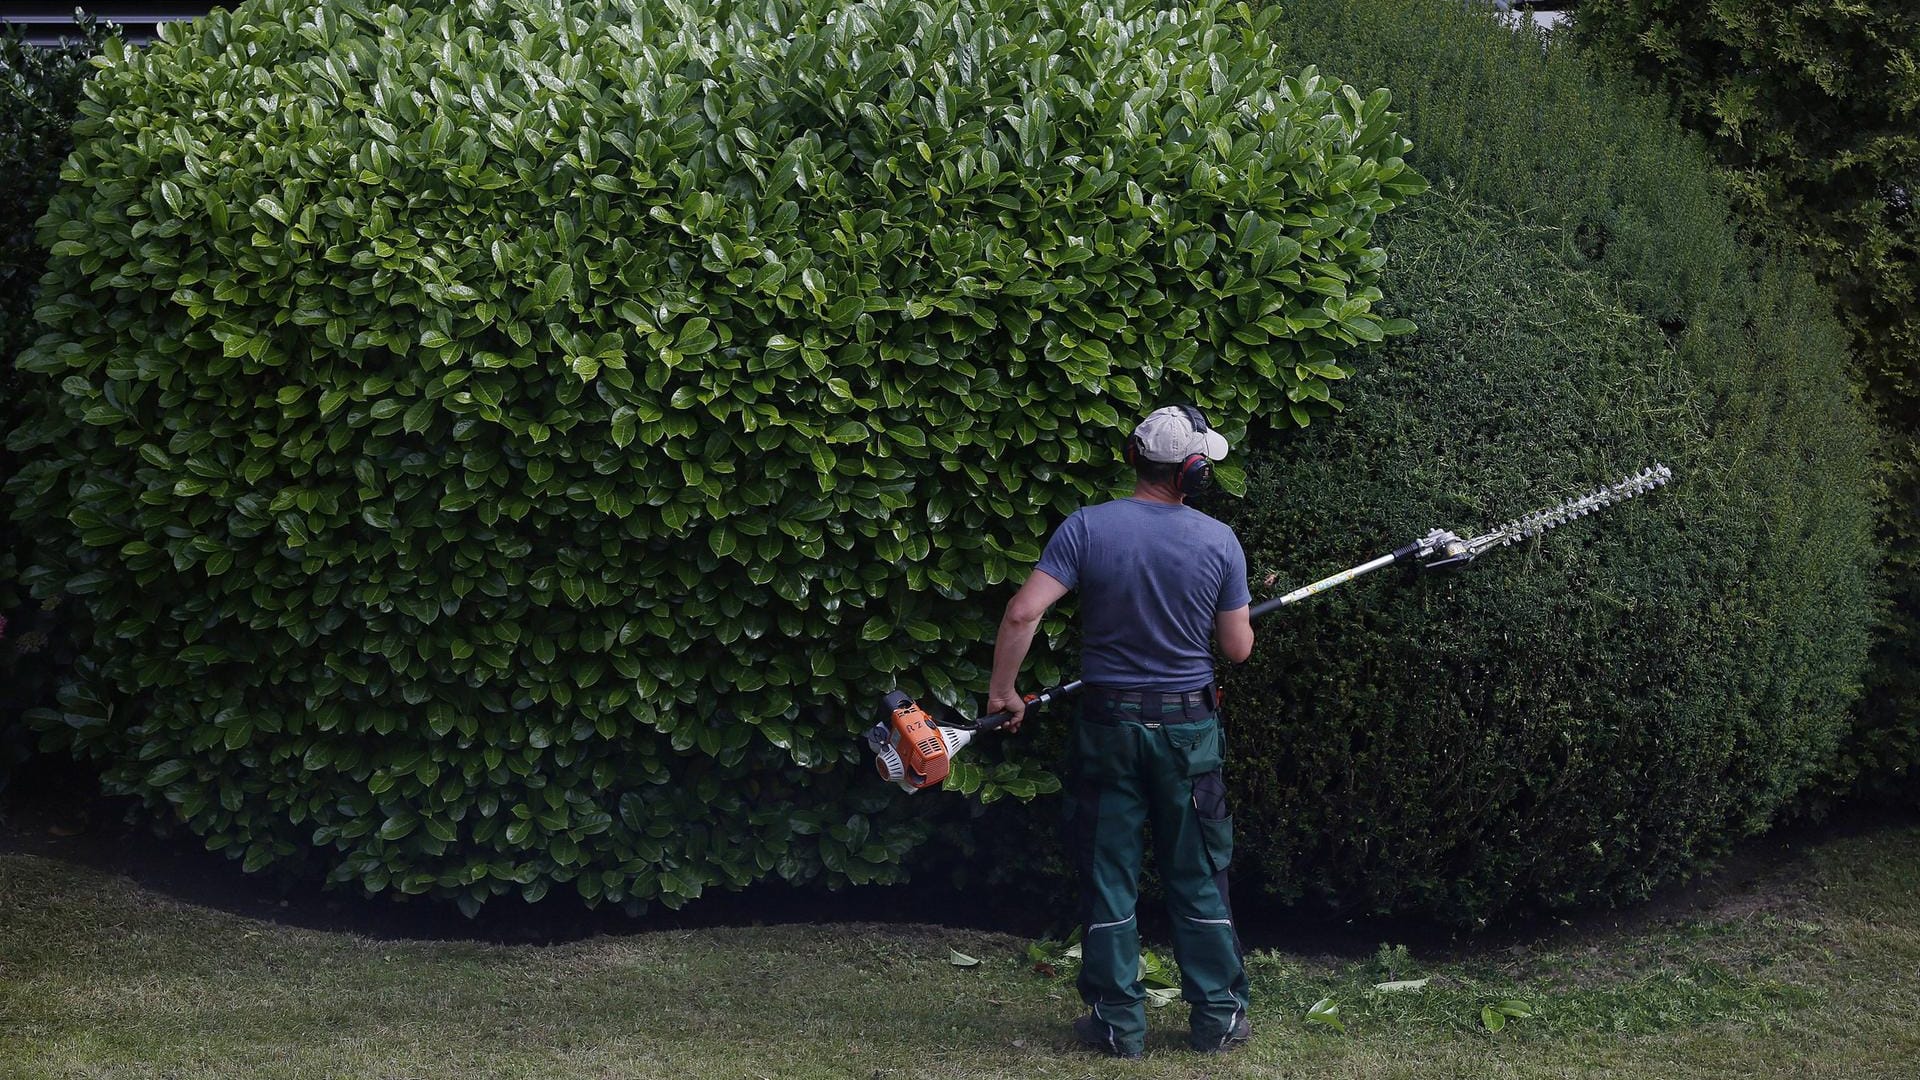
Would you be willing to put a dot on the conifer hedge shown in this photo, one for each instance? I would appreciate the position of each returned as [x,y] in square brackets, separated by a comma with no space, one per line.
[39,99]
[1580,719]
[1812,110]
[511,445]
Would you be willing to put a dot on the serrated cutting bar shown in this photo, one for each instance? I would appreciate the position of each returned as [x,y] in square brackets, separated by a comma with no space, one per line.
[1533,524]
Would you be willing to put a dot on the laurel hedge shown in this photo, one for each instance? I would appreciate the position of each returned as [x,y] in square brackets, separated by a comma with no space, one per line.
[512,445]
[1583,718]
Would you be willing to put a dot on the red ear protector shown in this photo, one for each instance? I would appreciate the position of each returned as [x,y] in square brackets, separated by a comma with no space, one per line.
[1195,474]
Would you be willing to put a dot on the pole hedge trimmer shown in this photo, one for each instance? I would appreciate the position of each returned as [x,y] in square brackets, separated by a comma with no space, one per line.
[914,750]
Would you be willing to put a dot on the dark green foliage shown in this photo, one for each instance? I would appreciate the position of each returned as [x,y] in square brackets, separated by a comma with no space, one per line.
[1813,110]
[1813,107]
[39,99]
[515,446]
[1582,718]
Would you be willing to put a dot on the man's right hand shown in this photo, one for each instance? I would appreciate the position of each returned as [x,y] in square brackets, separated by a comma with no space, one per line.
[1009,702]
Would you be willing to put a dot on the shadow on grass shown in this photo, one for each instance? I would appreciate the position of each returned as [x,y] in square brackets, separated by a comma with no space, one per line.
[58,813]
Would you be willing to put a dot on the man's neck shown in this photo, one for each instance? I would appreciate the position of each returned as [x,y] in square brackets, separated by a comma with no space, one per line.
[1149,491]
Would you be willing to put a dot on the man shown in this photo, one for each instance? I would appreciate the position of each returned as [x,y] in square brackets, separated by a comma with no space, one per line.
[1158,582]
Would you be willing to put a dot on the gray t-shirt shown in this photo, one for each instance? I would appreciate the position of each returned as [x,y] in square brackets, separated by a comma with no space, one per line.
[1151,578]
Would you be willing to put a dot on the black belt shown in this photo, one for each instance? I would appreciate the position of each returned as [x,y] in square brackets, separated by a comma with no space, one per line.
[1156,701]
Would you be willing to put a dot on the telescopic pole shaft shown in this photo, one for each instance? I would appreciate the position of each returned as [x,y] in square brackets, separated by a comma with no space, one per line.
[1326,583]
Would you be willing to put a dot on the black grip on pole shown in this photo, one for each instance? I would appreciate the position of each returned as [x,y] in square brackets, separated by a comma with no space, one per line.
[1263,607]
[991,721]
[1034,701]
[1407,552]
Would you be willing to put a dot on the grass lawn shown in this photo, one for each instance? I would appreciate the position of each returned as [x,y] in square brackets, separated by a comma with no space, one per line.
[1812,971]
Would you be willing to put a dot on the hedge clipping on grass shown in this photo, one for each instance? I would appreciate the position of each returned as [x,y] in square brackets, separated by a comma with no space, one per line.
[514,444]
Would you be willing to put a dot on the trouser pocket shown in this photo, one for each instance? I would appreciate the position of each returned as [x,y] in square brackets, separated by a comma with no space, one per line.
[1198,747]
[1216,824]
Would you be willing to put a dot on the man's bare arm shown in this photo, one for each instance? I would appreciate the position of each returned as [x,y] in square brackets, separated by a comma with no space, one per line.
[1010,647]
[1234,631]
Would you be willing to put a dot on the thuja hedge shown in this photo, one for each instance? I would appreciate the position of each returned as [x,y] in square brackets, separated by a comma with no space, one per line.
[1813,112]
[1580,719]
[515,445]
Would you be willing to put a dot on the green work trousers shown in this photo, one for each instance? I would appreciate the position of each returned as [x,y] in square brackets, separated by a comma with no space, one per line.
[1129,770]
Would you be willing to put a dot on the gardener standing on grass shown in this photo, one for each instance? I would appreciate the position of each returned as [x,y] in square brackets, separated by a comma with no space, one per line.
[1158,581]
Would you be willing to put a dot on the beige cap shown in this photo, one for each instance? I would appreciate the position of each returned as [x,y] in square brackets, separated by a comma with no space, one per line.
[1177,432]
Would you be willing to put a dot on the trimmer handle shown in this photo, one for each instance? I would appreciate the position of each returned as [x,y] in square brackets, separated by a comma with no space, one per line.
[994,720]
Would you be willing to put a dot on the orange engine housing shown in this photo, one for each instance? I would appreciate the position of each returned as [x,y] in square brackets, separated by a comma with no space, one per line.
[916,739]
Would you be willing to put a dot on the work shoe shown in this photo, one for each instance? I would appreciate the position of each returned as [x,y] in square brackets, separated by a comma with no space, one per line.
[1236,1036]
[1097,1034]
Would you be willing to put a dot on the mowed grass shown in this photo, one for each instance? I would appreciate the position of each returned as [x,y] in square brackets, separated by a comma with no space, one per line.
[1814,971]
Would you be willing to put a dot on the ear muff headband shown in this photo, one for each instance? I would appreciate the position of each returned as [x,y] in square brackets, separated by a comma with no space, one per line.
[1195,475]
[1196,472]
